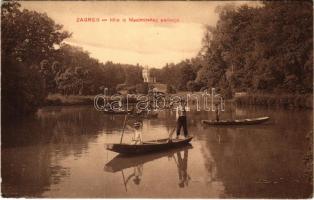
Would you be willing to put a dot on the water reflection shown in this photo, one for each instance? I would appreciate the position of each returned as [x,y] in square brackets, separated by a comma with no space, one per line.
[122,162]
[264,161]
[182,165]
[60,153]
[33,148]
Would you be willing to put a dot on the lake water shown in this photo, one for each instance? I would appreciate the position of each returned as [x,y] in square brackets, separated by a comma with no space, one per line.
[60,153]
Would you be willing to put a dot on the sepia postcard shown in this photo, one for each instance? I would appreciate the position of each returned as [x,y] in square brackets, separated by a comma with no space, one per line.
[157,99]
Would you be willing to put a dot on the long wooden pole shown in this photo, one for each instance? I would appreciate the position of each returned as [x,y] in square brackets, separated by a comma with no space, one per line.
[125,118]
[171,133]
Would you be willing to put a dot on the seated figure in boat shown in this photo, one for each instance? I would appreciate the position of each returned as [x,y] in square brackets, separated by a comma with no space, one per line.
[137,137]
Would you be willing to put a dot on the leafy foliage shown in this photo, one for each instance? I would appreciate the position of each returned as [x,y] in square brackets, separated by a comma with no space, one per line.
[268,48]
[37,62]
[178,75]
[27,38]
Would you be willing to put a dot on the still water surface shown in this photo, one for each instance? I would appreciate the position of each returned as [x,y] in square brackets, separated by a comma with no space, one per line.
[60,153]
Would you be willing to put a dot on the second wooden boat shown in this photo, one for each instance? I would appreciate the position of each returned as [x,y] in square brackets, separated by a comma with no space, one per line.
[148,146]
[116,112]
[145,114]
[151,115]
[237,122]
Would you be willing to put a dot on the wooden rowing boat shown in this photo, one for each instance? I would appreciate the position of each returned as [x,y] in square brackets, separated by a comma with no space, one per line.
[116,112]
[151,115]
[236,122]
[148,146]
[122,161]
[145,114]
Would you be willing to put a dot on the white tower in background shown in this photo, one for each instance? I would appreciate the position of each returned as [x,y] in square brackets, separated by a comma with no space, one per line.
[146,75]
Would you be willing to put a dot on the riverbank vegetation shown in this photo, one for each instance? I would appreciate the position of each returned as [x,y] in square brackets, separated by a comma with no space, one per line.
[37,62]
[282,100]
[266,49]
[68,100]
[257,50]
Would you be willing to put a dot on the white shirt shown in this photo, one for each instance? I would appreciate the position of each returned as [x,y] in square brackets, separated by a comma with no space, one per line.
[181,111]
[137,136]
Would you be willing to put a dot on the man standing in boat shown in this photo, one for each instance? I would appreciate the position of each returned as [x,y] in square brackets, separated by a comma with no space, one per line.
[181,118]
[217,112]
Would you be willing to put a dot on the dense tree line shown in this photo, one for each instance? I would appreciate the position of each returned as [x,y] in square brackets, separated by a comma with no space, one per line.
[35,62]
[27,37]
[268,48]
[178,75]
[74,72]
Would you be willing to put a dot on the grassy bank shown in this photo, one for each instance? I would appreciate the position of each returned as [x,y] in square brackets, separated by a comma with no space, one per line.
[70,100]
[280,100]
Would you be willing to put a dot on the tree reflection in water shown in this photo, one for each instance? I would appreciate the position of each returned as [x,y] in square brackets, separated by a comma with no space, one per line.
[50,154]
[33,147]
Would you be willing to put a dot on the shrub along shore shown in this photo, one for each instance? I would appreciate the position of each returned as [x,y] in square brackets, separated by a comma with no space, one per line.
[280,100]
[74,100]
[70,100]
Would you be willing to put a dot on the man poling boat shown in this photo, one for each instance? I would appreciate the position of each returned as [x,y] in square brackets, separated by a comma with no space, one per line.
[147,146]
[217,112]
[181,118]
[154,145]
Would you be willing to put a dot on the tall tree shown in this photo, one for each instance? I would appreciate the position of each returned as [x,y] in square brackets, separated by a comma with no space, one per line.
[266,48]
[27,38]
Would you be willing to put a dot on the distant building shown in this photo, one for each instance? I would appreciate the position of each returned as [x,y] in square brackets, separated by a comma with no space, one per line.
[148,78]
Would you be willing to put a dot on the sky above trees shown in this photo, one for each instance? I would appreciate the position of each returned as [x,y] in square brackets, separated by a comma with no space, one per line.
[152,44]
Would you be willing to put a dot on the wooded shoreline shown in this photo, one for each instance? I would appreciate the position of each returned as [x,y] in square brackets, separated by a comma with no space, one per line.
[245,52]
[286,101]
